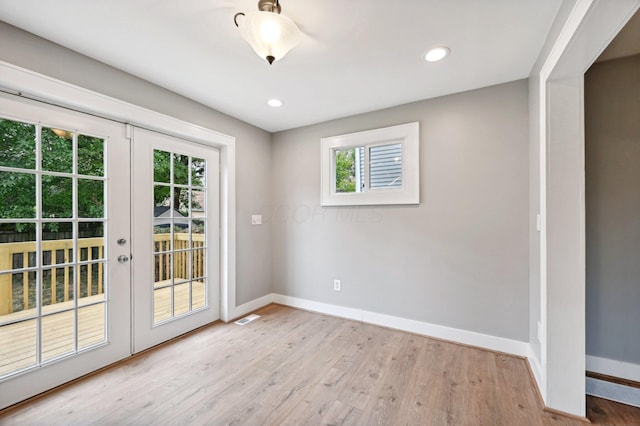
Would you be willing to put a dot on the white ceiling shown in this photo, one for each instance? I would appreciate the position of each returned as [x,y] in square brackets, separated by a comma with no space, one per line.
[355,55]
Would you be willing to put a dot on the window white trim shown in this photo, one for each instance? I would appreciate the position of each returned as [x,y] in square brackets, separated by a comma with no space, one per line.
[17,80]
[406,134]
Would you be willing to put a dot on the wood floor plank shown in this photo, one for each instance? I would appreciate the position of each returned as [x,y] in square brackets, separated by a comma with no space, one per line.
[292,367]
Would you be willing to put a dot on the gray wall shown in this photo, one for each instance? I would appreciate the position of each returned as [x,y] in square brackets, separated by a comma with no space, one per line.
[612,150]
[253,145]
[459,259]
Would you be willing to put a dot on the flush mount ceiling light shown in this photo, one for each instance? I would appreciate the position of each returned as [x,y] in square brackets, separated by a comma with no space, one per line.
[274,103]
[270,34]
[437,54]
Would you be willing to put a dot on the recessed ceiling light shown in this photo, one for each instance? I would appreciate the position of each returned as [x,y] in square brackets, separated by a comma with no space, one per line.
[437,54]
[274,103]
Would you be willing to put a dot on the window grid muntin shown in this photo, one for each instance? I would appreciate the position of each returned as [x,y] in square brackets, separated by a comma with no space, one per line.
[169,251]
[38,221]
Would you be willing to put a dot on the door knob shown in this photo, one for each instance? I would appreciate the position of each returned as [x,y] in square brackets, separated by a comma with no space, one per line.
[123,258]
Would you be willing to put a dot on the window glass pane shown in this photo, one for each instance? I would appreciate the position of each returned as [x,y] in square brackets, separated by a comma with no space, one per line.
[197,203]
[56,197]
[198,263]
[161,166]
[91,325]
[17,244]
[91,239]
[18,348]
[162,264]
[57,289]
[58,334]
[385,170]
[19,290]
[57,243]
[90,198]
[17,144]
[91,284]
[162,236]
[181,201]
[57,150]
[345,167]
[198,294]
[197,233]
[18,195]
[162,201]
[180,266]
[162,304]
[90,156]
[181,298]
[198,172]
[180,169]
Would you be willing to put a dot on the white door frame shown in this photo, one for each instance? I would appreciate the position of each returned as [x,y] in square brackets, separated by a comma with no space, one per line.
[33,85]
[589,29]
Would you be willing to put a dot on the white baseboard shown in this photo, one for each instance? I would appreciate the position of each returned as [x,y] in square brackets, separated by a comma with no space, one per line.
[244,309]
[471,338]
[612,391]
[536,368]
[612,367]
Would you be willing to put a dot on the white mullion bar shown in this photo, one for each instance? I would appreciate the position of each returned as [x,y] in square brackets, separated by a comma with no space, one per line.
[172,207]
[105,237]
[75,235]
[39,230]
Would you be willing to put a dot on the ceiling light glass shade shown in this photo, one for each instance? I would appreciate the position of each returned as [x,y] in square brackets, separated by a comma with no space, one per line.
[270,35]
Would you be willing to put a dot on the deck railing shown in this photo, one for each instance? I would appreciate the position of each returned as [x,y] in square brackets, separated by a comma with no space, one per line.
[17,290]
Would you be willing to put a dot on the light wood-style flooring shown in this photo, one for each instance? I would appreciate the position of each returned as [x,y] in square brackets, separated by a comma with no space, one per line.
[292,367]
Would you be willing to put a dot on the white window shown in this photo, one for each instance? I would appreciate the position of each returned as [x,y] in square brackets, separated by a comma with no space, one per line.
[377,166]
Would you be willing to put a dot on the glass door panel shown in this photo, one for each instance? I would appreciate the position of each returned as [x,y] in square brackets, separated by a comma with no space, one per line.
[57,307]
[176,213]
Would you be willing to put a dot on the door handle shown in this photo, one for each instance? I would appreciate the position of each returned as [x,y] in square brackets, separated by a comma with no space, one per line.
[123,258]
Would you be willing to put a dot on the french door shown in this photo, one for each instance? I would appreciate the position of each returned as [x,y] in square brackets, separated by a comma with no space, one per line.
[176,237]
[64,246]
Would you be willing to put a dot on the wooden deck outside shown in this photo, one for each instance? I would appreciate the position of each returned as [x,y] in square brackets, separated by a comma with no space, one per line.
[18,341]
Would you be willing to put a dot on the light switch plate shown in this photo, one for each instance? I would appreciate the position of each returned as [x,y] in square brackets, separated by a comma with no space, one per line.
[256,219]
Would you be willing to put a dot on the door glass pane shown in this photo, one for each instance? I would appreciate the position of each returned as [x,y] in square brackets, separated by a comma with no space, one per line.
[180,169]
[38,289]
[57,150]
[17,144]
[58,334]
[90,156]
[90,198]
[91,325]
[179,222]
[18,194]
[57,196]
[18,344]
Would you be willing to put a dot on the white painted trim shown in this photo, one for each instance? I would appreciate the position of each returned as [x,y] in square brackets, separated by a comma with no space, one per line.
[456,335]
[577,15]
[14,79]
[615,368]
[406,134]
[613,391]
[536,368]
[244,309]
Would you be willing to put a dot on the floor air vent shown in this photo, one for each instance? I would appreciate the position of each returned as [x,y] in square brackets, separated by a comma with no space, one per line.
[247,319]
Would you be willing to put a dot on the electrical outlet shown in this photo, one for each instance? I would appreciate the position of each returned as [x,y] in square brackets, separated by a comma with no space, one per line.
[337,286]
[256,219]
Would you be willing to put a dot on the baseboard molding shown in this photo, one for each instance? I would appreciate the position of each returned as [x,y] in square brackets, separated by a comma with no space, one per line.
[498,344]
[246,308]
[613,391]
[612,367]
[536,372]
